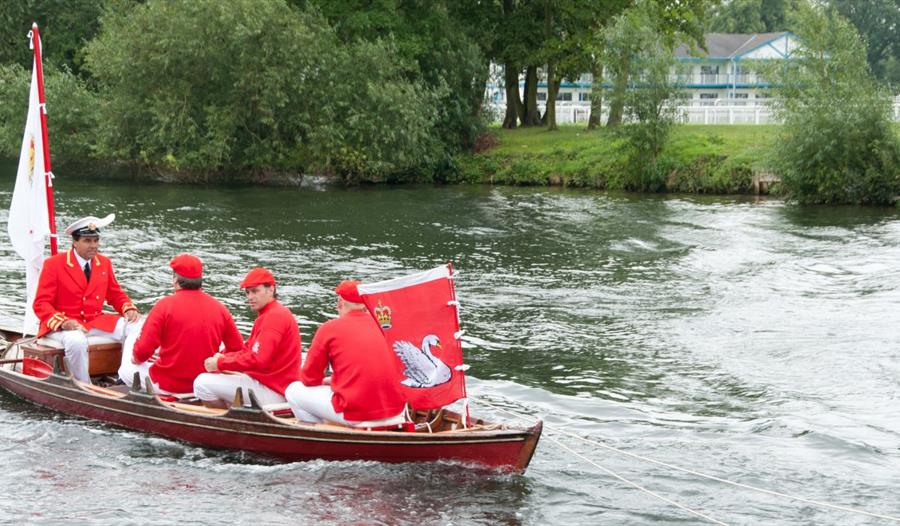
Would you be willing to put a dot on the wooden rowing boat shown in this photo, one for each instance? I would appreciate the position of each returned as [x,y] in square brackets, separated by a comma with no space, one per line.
[270,432]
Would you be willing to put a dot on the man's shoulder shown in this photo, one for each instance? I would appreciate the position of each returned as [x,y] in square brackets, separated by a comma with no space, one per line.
[194,297]
[54,264]
[343,323]
[103,259]
[279,316]
[57,259]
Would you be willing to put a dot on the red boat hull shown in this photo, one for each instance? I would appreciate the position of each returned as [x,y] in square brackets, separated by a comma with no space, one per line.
[255,431]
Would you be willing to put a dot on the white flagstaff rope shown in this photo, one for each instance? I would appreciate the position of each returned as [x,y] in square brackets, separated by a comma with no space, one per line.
[697,473]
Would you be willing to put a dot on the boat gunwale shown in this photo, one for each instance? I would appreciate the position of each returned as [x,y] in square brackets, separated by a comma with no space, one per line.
[235,416]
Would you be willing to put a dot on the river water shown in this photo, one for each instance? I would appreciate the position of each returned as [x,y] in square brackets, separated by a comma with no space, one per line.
[752,341]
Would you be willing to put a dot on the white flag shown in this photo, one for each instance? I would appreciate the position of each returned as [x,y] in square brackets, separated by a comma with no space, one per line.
[29,226]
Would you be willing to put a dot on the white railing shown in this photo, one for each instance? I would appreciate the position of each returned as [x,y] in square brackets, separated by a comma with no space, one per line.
[718,111]
[720,79]
[743,113]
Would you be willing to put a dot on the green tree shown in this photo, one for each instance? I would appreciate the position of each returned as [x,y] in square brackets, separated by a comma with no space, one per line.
[204,89]
[435,43]
[837,144]
[65,27]
[752,16]
[653,94]
[72,113]
[675,21]
[878,21]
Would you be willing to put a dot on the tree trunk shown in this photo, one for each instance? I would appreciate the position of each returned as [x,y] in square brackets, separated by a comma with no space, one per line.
[620,89]
[552,90]
[532,116]
[511,76]
[596,95]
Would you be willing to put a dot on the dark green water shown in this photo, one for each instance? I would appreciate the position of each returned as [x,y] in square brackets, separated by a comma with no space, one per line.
[752,341]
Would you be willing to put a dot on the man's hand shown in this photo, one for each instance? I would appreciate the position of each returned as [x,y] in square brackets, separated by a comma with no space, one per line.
[72,325]
[212,363]
[132,315]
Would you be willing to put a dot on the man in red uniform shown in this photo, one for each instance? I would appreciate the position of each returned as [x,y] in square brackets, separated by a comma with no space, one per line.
[187,327]
[270,358]
[72,290]
[364,388]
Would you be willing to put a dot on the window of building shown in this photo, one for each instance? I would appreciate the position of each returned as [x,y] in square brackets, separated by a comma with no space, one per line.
[542,95]
[708,99]
[739,95]
[564,96]
[584,96]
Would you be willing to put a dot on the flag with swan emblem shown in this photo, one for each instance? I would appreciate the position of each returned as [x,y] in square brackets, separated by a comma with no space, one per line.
[418,315]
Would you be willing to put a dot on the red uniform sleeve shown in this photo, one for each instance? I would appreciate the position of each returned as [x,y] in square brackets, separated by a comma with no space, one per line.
[115,296]
[232,338]
[45,296]
[151,334]
[313,371]
[266,345]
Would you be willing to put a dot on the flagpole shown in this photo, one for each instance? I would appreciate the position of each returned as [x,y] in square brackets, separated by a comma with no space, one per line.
[48,174]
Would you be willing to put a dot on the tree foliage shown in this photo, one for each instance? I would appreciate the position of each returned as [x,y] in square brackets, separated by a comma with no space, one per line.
[637,35]
[71,116]
[752,16]
[878,21]
[67,24]
[224,87]
[434,44]
[837,144]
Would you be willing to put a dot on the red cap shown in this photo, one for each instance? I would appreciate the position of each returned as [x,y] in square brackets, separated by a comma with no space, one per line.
[258,276]
[348,290]
[187,266]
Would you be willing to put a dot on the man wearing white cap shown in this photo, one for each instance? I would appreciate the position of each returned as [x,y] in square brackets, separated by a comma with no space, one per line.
[71,292]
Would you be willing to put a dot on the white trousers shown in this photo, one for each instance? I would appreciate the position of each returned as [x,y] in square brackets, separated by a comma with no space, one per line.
[313,404]
[218,386]
[75,344]
[127,368]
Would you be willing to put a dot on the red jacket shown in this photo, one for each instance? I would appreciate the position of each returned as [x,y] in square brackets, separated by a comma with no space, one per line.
[271,354]
[63,293]
[187,327]
[365,371]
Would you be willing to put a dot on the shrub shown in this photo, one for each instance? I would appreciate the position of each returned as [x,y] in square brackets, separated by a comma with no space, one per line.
[837,144]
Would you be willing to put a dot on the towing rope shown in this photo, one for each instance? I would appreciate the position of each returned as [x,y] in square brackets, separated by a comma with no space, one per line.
[635,484]
[691,471]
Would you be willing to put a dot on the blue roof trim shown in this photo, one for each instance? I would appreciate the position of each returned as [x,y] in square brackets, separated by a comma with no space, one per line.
[786,34]
[702,59]
[742,85]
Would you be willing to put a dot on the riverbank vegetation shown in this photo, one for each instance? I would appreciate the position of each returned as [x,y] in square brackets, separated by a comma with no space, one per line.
[363,92]
[837,144]
[696,159]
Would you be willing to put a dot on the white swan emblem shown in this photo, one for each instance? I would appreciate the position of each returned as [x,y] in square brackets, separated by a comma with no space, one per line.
[423,369]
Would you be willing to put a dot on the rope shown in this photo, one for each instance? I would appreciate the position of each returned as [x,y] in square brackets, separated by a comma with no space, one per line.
[702,475]
[634,484]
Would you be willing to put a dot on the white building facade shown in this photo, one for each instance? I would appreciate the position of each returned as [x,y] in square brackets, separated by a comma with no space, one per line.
[719,86]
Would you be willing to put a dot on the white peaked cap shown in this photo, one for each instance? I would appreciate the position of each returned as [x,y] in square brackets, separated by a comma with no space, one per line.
[90,222]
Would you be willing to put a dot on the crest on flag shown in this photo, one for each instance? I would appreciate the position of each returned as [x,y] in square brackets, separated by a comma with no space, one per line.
[418,317]
[31,160]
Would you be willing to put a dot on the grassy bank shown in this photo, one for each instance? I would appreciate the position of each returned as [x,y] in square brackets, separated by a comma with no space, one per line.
[696,159]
